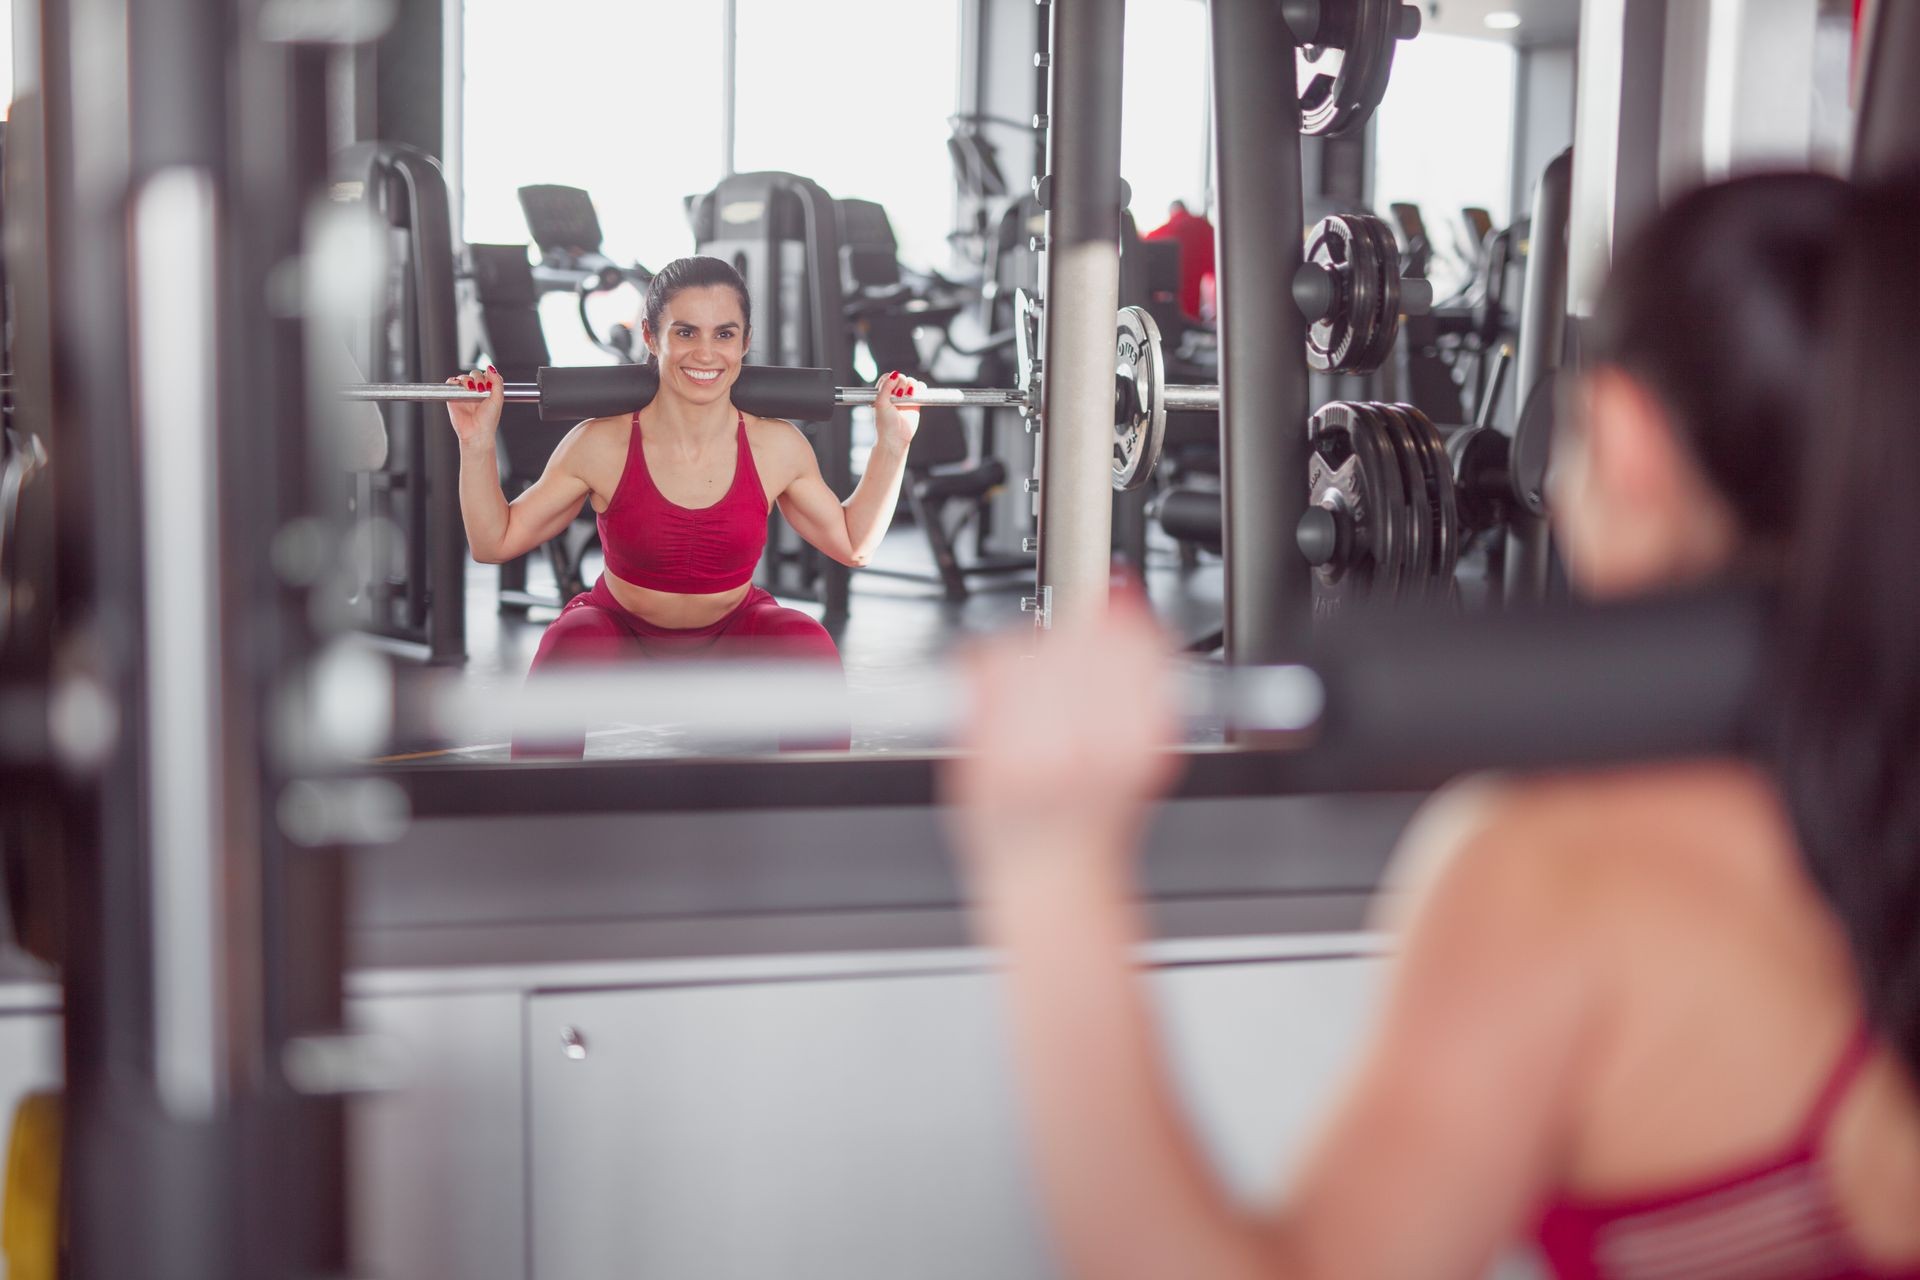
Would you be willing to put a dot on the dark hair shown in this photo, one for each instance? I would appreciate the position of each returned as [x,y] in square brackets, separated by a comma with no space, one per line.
[1772,317]
[694,273]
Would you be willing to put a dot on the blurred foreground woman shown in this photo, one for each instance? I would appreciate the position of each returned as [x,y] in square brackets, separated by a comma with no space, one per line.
[1662,1021]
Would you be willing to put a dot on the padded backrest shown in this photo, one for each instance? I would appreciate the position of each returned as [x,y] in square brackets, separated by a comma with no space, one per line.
[513,340]
[869,254]
[509,308]
[561,220]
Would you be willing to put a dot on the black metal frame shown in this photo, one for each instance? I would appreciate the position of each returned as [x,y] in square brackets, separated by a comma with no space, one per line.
[1528,568]
[1263,366]
[427,606]
[244,1177]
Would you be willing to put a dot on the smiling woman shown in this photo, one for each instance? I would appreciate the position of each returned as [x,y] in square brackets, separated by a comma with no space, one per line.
[682,489]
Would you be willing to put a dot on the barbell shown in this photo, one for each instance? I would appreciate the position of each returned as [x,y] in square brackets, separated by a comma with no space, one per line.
[1349,288]
[1142,399]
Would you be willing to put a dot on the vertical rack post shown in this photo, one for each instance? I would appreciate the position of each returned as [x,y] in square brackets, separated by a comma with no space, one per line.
[1263,363]
[1083,296]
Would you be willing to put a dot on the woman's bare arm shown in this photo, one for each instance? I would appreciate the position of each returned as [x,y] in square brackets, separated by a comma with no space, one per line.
[850,531]
[1449,1122]
[498,531]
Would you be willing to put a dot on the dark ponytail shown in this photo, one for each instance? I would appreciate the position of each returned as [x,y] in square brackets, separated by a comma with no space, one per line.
[694,273]
[1847,750]
[1772,317]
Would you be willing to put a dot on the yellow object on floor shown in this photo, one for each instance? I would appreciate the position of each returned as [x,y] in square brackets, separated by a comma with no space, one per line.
[30,1217]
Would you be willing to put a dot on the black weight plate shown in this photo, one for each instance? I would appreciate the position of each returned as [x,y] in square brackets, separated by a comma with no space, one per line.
[1397,440]
[1330,338]
[1386,517]
[1447,500]
[1389,284]
[1344,480]
[1332,485]
[1343,75]
[1422,503]
[1364,351]
[1383,258]
[1438,480]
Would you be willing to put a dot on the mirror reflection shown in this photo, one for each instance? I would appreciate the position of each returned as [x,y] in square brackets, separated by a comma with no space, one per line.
[770,398]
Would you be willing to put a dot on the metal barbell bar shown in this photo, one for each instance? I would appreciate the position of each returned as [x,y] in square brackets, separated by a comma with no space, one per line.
[1313,289]
[530,393]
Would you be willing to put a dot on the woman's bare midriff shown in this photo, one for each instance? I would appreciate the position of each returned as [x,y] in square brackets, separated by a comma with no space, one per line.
[673,610]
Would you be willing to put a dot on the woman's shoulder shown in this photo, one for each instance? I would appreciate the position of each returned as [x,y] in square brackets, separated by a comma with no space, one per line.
[595,444]
[1582,840]
[774,432]
[778,440]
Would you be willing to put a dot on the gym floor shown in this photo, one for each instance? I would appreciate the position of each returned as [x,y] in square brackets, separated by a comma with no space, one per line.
[895,627]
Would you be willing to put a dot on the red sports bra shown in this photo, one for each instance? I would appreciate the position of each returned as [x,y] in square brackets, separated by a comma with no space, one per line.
[656,544]
[1776,1219]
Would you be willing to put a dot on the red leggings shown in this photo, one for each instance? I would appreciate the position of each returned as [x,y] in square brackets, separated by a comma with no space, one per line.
[595,628]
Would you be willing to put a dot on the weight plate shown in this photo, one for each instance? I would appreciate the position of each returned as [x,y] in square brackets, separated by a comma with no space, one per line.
[1330,338]
[1338,481]
[1447,499]
[1391,524]
[1343,73]
[1367,477]
[1382,323]
[1414,431]
[1389,259]
[1026,349]
[1397,442]
[1140,398]
[26,557]
[1437,480]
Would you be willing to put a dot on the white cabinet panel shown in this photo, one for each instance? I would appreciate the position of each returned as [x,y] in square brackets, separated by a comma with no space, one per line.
[866,1127]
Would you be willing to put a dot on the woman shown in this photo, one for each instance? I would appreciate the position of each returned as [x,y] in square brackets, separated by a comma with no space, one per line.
[682,489]
[1663,1021]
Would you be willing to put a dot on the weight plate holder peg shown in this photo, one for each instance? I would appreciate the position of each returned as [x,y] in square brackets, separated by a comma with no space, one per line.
[1140,398]
[1352,530]
[1343,68]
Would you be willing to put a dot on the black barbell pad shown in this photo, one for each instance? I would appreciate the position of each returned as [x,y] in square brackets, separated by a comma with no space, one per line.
[568,394]
[774,391]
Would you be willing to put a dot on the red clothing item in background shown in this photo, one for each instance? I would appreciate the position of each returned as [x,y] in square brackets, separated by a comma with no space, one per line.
[1194,235]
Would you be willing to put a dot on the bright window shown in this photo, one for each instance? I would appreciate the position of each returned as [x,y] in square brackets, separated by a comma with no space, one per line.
[1163,117]
[856,96]
[1444,138]
[619,97]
